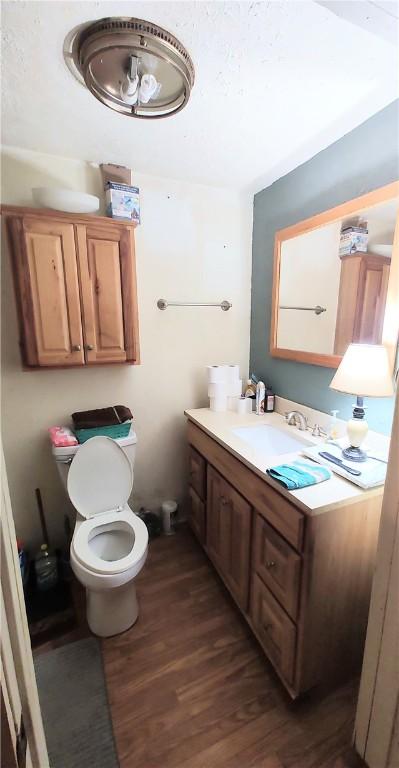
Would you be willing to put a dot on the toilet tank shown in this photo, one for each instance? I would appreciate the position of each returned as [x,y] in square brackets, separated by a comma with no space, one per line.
[63,456]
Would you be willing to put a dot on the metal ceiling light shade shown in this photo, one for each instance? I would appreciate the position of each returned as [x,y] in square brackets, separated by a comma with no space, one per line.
[131,66]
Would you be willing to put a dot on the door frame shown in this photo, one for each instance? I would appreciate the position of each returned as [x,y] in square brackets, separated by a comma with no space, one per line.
[377,715]
[18,681]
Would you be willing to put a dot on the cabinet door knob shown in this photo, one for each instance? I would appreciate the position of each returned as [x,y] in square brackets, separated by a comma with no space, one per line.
[89,347]
[270,564]
[76,348]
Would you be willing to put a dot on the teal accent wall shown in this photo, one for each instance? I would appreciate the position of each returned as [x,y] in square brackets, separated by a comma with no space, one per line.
[364,159]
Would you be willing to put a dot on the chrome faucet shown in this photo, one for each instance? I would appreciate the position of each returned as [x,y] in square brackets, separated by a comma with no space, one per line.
[296,419]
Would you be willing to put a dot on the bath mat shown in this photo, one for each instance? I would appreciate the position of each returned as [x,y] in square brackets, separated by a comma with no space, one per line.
[75,711]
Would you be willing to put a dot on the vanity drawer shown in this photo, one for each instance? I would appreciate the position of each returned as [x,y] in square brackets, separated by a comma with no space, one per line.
[278,565]
[197,472]
[196,515]
[275,630]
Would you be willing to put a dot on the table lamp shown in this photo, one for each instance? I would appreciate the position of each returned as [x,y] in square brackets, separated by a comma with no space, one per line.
[364,371]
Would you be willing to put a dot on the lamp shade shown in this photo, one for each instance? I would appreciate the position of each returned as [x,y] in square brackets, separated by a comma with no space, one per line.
[364,370]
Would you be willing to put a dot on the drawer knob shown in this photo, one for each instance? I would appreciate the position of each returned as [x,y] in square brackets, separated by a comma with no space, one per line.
[270,564]
[89,347]
[76,348]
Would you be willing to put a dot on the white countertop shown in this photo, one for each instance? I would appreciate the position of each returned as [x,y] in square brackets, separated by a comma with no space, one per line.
[312,500]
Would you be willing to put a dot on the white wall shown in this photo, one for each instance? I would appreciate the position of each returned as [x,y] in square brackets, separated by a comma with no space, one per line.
[194,244]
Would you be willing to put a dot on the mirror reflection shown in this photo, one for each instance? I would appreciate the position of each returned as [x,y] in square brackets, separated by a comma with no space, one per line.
[333,282]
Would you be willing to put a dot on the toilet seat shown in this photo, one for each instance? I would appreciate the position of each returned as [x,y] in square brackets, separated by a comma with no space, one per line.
[99,484]
[110,521]
[100,478]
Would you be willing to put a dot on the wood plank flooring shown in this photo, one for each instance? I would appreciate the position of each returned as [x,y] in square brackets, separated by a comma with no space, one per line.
[189,686]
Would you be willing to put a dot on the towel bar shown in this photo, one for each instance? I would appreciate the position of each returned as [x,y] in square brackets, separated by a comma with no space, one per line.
[317,310]
[163,304]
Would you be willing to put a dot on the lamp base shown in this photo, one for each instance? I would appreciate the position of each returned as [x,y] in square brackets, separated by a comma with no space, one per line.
[354,454]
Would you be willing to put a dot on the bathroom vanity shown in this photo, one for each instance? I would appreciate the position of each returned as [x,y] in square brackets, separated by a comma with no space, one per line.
[298,564]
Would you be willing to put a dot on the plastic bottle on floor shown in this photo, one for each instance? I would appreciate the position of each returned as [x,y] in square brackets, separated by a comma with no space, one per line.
[45,569]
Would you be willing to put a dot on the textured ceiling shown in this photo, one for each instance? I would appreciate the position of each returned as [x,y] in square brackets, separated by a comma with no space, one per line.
[275,83]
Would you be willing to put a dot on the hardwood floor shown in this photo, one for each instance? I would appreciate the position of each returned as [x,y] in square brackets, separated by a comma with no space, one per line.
[189,686]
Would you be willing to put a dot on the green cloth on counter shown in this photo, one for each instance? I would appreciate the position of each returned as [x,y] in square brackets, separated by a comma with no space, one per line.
[299,474]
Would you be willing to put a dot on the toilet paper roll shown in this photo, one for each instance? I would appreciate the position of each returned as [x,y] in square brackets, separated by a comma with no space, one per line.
[217,389]
[241,405]
[216,374]
[250,401]
[232,403]
[234,388]
[232,373]
[218,403]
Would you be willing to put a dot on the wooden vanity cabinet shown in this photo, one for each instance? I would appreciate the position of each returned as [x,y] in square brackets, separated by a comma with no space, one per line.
[302,581]
[75,285]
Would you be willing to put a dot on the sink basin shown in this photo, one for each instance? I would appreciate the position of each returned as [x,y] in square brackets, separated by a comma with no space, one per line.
[268,439]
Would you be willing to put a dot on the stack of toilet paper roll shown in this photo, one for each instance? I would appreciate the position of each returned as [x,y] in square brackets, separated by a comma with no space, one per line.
[224,387]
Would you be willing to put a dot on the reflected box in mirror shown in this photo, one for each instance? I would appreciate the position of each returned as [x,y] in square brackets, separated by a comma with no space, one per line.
[353,239]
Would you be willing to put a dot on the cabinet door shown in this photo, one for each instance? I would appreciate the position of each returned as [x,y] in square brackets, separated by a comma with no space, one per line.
[371,302]
[228,526]
[45,269]
[109,296]
[196,515]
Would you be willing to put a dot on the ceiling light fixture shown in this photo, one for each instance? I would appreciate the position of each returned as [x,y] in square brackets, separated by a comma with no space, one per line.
[131,66]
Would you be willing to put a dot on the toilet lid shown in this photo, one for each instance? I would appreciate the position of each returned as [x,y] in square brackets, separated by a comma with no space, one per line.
[100,478]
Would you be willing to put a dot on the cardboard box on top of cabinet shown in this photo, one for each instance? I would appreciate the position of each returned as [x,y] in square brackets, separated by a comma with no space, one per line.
[123,202]
[118,174]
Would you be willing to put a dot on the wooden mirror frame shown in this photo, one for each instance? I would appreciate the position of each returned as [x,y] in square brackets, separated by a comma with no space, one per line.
[391,318]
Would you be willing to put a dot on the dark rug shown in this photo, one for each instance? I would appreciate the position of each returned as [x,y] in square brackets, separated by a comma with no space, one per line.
[75,709]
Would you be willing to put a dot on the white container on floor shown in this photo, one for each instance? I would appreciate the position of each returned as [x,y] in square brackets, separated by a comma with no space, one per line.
[169,509]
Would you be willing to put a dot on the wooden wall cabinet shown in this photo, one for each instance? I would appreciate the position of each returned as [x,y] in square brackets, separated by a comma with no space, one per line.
[75,284]
[361,300]
[302,582]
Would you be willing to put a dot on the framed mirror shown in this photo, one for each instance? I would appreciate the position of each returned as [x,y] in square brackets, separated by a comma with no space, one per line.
[336,280]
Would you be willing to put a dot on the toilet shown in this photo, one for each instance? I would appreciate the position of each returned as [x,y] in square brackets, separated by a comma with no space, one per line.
[109,544]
